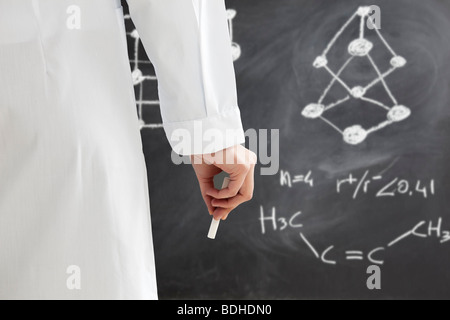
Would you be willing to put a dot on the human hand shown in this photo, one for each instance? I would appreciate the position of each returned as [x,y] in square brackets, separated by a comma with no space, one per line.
[239,163]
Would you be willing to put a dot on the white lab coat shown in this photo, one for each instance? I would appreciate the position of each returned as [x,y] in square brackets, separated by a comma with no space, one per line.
[74,207]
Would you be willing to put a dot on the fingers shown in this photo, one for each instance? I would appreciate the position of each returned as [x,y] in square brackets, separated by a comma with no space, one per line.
[239,163]
[205,174]
[236,182]
[245,194]
[205,185]
[221,213]
[230,203]
[208,201]
[225,206]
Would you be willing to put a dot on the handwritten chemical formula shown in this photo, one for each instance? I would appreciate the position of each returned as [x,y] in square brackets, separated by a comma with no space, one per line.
[431,229]
[350,186]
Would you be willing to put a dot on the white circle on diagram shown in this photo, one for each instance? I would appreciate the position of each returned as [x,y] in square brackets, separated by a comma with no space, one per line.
[358,92]
[354,134]
[235,51]
[313,110]
[320,62]
[137,76]
[360,47]
[398,62]
[398,113]
[134,34]
[363,11]
[231,13]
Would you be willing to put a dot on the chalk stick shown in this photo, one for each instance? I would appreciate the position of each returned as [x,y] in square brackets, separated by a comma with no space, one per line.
[215,223]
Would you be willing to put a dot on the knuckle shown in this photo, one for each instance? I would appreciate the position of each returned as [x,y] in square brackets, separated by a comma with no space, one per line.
[253,158]
[246,167]
[248,196]
[230,193]
[234,192]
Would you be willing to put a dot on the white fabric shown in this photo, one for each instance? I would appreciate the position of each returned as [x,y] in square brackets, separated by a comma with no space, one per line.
[73,183]
[195,72]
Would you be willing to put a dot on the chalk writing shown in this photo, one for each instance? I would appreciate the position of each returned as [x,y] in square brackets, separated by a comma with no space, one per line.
[358,48]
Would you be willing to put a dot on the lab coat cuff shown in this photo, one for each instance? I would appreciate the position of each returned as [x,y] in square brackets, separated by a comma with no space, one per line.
[207,135]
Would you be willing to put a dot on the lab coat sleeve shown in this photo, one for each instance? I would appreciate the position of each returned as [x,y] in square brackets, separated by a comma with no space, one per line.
[188,42]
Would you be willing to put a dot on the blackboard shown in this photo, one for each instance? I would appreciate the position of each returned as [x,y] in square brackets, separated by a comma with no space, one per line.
[333,209]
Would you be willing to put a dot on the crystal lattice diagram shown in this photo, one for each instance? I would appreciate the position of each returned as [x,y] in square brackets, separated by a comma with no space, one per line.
[358,49]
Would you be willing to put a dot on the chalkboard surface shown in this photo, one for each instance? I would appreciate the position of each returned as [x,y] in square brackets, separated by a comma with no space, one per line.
[342,200]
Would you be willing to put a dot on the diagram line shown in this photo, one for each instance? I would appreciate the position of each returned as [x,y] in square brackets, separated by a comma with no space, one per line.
[310,246]
[339,80]
[333,79]
[383,40]
[230,27]
[331,124]
[382,79]
[384,75]
[334,104]
[141,89]
[338,34]
[152,126]
[361,28]
[136,54]
[379,126]
[378,103]
[150,102]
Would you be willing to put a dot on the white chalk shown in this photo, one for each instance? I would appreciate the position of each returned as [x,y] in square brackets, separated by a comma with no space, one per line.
[215,223]
[213,228]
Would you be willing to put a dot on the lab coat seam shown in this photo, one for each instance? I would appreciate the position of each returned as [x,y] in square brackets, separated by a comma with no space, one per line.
[196,5]
[39,30]
[203,74]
